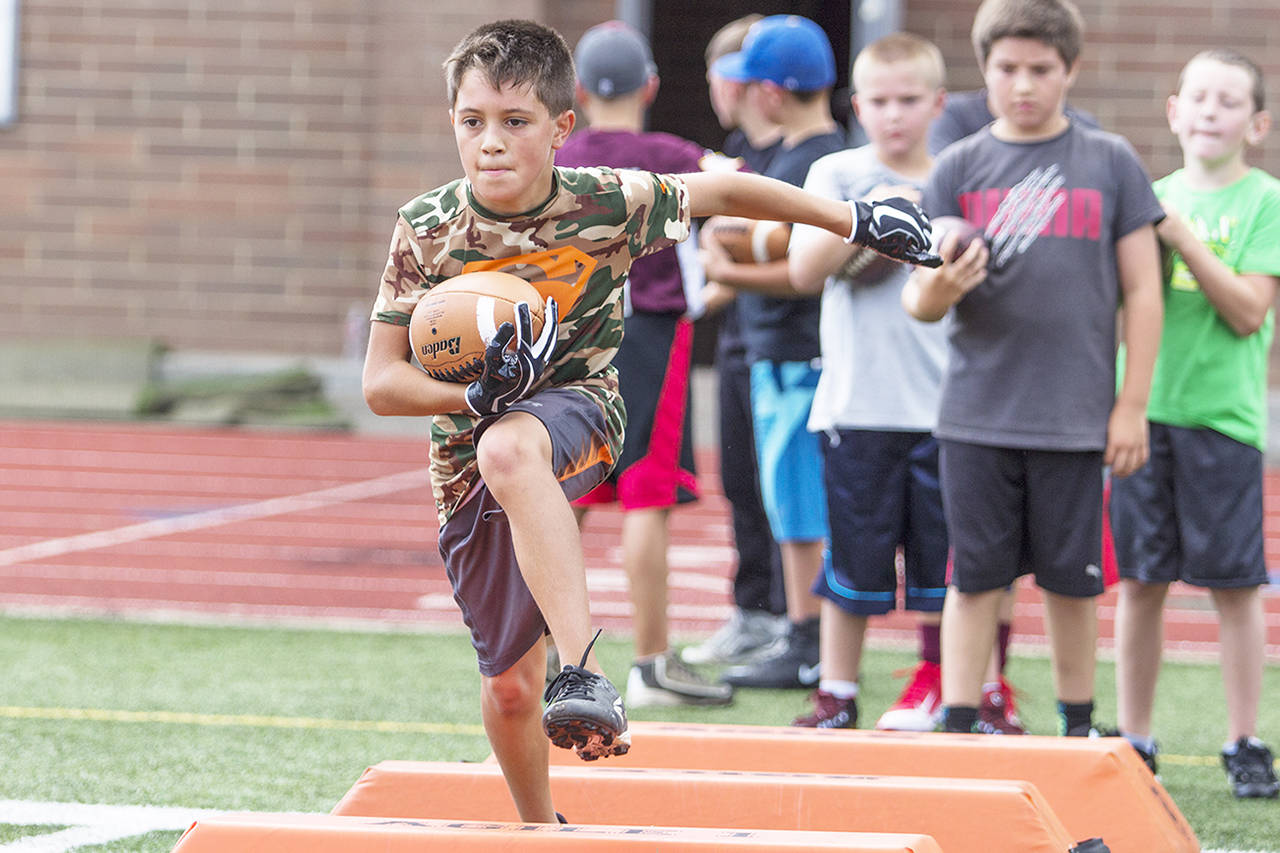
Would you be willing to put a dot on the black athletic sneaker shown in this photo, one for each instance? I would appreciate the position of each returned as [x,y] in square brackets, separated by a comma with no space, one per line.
[791,662]
[1251,769]
[584,712]
[1146,752]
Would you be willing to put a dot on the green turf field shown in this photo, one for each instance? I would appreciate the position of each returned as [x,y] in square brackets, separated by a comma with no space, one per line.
[286,720]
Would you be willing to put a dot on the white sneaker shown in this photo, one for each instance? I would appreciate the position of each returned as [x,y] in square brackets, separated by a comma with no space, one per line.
[665,681]
[740,640]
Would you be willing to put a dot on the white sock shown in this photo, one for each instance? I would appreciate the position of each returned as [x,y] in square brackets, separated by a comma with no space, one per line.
[839,689]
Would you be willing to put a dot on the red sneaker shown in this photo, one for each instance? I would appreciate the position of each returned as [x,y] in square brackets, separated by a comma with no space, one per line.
[919,708]
[829,712]
[998,715]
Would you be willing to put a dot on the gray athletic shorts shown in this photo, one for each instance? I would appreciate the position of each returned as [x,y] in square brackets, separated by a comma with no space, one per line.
[1012,512]
[1193,513]
[475,543]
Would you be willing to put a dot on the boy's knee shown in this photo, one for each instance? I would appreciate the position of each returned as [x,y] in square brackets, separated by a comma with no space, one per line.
[513,693]
[505,452]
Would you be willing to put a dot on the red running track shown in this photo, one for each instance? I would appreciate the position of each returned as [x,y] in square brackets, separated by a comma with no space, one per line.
[157,522]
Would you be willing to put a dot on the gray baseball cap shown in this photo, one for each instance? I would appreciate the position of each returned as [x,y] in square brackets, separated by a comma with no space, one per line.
[613,60]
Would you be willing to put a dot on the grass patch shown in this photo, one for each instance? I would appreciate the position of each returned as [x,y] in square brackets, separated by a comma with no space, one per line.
[428,683]
[14,831]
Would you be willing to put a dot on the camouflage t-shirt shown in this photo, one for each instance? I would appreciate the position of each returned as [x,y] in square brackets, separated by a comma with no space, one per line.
[577,247]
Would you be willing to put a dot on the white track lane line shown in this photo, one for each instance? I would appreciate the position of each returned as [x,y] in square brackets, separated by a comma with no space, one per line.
[399,482]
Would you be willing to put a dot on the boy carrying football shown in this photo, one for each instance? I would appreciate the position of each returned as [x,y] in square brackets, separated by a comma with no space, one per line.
[544,424]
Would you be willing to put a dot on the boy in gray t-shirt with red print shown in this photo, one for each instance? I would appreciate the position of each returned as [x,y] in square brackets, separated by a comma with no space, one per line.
[1029,413]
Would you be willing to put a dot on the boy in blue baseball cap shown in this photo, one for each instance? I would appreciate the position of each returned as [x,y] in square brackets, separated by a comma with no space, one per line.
[788,67]
[787,50]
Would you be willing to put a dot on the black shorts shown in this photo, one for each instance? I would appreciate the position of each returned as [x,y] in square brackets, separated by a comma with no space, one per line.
[1193,513]
[882,494]
[475,543]
[1012,512]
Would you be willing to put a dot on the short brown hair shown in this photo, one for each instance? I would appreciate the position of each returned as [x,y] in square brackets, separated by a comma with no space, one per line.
[1057,23]
[728,39]
[519,53]
[903,47]
[1228,56]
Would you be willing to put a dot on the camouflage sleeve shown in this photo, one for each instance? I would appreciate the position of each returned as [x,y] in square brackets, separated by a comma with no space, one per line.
[658,208]
[403,280]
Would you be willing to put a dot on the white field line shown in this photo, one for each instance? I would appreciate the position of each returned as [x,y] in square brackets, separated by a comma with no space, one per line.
[399,482]
[99,824]
[90,824]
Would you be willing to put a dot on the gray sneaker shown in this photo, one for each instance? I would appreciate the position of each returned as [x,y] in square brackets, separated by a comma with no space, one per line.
[740,640]
[666,681]
[1251,769]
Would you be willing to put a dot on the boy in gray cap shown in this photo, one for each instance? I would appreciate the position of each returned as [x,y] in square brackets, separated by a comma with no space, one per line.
[617,82]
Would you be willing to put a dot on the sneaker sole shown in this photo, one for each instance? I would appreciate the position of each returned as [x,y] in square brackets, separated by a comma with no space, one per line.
[590,740]
[1259,791]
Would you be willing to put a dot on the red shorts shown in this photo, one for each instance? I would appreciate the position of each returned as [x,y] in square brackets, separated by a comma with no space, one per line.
[656,468]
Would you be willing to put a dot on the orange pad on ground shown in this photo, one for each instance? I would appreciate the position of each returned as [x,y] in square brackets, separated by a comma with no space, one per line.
[1098,787]
[962,815]
[304,833]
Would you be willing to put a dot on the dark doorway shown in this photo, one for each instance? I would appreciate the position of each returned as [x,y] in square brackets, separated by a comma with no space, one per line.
[679,38]
[680,33]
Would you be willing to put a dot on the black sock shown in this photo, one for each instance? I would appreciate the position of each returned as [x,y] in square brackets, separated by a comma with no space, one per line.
[959,718]
[1075,719]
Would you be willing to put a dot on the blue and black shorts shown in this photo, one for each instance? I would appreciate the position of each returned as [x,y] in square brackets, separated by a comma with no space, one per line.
[883,495]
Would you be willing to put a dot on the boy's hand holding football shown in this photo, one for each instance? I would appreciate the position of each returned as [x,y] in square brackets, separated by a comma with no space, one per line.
[896,228]
[510,373]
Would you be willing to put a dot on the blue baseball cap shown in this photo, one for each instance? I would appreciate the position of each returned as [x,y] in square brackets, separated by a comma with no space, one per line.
[789,50]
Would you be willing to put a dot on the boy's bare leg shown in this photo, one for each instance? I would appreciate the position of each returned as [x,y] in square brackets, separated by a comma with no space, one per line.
[511,708]
[801,563]
[1072,626]
[968,636]
[841,636]
[1003,616]
[644,556]
[514,456]
[1242,637]
[1139,647]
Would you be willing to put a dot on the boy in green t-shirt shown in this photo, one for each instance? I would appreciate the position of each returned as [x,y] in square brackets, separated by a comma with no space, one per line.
[1194,512]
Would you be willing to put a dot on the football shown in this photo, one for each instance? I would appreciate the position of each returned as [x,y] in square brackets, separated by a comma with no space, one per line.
[966,230]
[455,320]
[867,266]
[748,241]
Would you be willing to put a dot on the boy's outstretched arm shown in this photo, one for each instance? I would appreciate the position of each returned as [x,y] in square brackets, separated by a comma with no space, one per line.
[1138,266]
[894,227]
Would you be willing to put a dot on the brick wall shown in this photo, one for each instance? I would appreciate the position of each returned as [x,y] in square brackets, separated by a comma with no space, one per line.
[220,175]
[1133,52]
[225,175]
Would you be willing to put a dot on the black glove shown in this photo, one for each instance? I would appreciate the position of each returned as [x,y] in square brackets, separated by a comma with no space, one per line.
[509,374]
[896,228]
